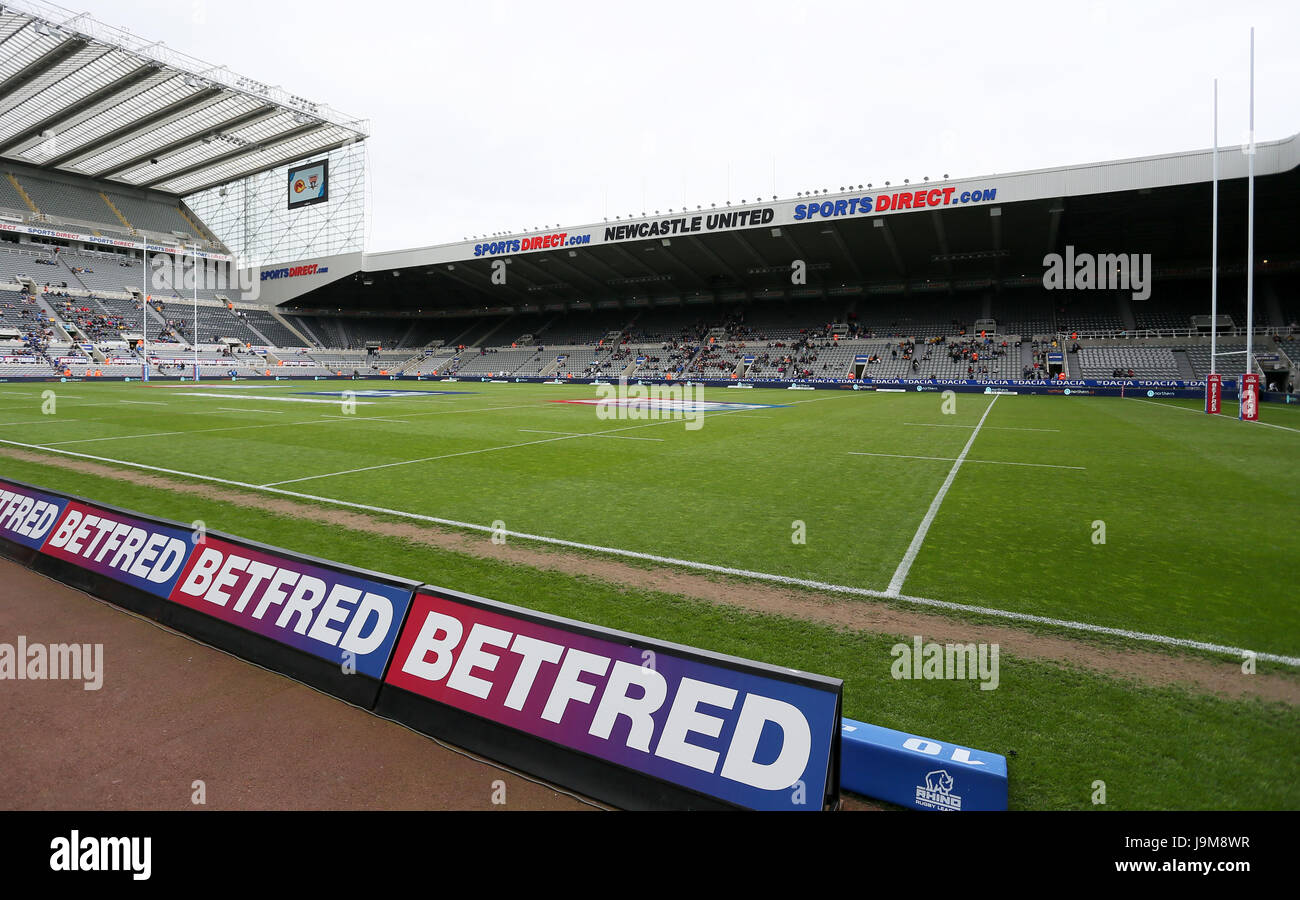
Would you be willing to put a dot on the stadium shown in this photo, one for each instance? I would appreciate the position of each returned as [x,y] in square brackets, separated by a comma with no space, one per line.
[967,493]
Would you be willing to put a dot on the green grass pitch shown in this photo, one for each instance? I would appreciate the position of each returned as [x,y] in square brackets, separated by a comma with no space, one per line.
[1200,516]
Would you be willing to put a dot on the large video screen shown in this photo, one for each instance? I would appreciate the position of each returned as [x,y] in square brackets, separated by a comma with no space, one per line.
[309,184]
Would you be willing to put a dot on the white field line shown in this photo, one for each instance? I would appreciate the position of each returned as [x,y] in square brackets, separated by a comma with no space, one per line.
[1202,412]
[991,427]
[905,565]
[51,420]
[337,402]
[35,399]
[399,417]
[122,437]
[705,567]
[1271,425]
[326,420]
[988,462]
[263,412]
[144,402]
[797,402]
[1172,406]
[34,394]
[616,437]
[357,417]
[126,437]
[240,386]
[411,462]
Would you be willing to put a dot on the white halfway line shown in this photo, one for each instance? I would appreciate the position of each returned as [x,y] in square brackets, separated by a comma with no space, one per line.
[338,402]
[424,459]
[990,462]
[617,437]
[707,567]
[905,565]
[399,417]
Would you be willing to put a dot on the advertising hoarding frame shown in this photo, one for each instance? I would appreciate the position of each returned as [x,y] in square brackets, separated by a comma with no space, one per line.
[300,665]
[607,781]
[601,779]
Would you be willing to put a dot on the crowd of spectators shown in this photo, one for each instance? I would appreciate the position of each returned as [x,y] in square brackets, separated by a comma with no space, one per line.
[96,326]
[977,353]
[35,330]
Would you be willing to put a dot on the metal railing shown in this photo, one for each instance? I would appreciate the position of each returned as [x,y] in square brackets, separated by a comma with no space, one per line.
[1147,333]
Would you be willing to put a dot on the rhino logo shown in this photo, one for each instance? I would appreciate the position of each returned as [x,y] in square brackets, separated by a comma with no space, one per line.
[938,780]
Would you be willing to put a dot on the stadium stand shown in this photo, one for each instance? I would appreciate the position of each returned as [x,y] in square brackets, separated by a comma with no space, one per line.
[497,361]
[1096,313]
[1162,313]
[215,321]
[424,332]
[1026,315]
[69,202]
[575,328]
[93,297]
[329,331]
[157,217]
[1111,362]
[385,332]
[267,325]
[106,273]
[107,210]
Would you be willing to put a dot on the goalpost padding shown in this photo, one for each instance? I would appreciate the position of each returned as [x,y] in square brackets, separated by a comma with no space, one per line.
[918,772]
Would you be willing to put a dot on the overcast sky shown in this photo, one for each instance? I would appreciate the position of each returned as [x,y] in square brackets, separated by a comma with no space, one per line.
[503,115]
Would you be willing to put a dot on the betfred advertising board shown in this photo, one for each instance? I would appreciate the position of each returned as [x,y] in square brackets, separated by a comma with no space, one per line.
[328,625]
[617,716]
[137,552]
[336,616]
[27,515]
[749,735]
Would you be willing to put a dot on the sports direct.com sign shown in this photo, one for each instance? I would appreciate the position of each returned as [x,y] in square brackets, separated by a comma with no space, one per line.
[706,725]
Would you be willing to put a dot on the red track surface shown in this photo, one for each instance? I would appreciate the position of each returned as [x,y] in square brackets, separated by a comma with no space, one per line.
[172,712]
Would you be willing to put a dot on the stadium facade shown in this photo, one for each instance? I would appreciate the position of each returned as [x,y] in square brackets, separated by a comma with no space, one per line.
[113,146]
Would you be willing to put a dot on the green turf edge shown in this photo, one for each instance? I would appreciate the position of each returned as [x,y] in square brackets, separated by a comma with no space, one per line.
[1061,728]
[969,617]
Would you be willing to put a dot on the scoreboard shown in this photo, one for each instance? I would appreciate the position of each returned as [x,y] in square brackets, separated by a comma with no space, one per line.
[309,184]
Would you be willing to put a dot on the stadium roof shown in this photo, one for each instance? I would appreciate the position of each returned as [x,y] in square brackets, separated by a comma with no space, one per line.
[934,237]
[80,96]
